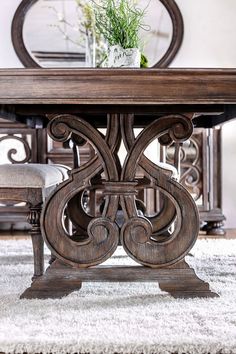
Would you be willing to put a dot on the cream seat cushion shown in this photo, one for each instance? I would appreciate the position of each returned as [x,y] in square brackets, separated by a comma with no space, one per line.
[31,175]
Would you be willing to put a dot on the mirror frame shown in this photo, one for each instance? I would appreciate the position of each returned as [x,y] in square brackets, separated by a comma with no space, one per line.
[27,60]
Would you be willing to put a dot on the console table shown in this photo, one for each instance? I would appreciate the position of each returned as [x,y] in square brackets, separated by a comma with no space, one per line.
[74,104]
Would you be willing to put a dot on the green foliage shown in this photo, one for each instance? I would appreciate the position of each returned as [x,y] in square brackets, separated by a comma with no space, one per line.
[88,21]
[119,22]
[143,61]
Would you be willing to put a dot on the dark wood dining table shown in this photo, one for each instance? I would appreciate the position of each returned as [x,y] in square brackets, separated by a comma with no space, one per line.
[74,104]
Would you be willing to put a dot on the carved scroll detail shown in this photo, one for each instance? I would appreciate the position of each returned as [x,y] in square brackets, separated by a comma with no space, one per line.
[149,251]
[11,152]
[143,237]
[191,165]
[163,220]
[100,234]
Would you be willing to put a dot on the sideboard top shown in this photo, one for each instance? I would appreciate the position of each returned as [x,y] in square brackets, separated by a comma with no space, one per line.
[118,86]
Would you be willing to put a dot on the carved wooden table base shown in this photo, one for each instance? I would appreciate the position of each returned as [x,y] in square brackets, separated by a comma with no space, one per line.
[157,242]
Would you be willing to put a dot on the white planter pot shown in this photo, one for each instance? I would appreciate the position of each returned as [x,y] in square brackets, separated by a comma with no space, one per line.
[125,58]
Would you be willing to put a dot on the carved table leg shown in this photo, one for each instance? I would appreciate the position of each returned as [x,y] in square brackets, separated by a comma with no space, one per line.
[143,237]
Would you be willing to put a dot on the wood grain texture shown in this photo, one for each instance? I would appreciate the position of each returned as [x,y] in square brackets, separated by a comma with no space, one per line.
[134,87]
[60,280]
[97,237]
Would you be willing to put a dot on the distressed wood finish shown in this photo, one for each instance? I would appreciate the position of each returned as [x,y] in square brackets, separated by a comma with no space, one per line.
[82,100]
[139,235]
[132,87]
[60,280]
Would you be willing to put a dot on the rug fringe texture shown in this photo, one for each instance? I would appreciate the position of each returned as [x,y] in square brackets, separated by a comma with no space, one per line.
[122,318]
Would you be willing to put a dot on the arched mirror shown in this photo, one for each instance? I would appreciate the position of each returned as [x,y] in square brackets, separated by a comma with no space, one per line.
[50,33]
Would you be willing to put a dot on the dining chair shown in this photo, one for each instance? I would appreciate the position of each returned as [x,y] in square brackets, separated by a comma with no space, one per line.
[31,183]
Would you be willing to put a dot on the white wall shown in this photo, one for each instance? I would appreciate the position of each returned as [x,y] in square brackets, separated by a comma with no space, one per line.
[8,57]
[209,41]
[210,34]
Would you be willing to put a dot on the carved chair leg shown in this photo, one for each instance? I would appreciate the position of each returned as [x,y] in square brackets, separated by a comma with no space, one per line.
[37,241]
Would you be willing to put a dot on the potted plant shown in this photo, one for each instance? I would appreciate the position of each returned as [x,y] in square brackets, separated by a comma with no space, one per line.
[119,22]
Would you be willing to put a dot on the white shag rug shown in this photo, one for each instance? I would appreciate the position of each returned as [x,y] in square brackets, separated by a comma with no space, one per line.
[120,317]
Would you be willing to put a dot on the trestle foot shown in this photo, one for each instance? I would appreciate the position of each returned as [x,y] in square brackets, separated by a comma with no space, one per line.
[51,285]
[189,285]
[61,280]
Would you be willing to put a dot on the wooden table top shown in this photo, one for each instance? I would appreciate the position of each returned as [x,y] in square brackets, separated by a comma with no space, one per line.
[96,92]
[118,86]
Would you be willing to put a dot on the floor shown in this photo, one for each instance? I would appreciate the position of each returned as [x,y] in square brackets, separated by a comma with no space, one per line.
[120,317]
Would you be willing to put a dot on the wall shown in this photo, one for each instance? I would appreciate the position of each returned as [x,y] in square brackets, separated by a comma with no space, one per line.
[8,57]
[209,41]
[210,34]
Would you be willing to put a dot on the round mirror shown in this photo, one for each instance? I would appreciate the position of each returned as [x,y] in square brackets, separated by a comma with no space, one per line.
[54,33]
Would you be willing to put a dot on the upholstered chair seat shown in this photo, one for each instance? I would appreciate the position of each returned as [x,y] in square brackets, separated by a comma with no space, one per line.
[31,183]
[31,175]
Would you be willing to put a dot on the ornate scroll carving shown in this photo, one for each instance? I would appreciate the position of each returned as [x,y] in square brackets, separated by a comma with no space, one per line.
[162,221]
[100,236]
[143,237]
[13,151]
[137,233]
[190,165]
